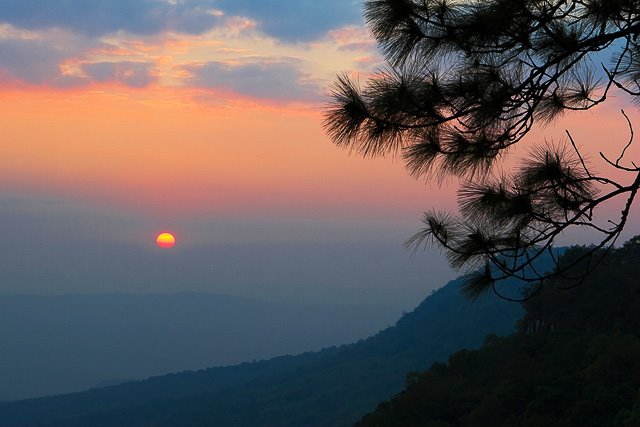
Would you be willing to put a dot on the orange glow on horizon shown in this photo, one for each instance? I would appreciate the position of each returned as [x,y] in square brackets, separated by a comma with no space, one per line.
[165,154]
[165,240]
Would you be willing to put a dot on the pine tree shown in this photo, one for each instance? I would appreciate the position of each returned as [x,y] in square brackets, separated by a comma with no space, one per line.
[466,80]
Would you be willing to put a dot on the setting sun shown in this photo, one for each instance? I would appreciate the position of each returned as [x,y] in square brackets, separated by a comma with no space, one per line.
[165,240]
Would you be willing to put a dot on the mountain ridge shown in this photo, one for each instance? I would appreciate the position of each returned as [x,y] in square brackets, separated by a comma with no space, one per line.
[89,338]
[334,386]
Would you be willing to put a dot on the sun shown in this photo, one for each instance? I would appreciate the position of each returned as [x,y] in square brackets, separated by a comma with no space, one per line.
[165,240]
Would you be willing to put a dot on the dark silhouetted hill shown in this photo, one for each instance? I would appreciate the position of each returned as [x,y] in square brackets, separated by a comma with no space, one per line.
[575,361]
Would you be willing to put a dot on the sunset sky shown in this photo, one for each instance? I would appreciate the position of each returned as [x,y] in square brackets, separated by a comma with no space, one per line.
[120,119]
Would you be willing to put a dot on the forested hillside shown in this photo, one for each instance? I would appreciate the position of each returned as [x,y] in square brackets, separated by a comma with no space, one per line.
[575,361]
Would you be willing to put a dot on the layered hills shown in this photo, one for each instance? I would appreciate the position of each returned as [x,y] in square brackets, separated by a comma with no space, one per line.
[334,386]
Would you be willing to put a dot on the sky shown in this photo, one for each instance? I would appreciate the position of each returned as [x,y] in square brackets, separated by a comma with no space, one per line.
[123,118]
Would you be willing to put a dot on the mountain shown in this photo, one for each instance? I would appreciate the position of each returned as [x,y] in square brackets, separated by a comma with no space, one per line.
[53,344]
[575,360]
[335,386]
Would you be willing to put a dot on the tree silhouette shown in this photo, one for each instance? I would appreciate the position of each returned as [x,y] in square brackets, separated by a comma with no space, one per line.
[465,81]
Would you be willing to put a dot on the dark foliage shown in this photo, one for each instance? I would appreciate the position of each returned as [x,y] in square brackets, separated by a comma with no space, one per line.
[574,362]
[603,303]
[467,80]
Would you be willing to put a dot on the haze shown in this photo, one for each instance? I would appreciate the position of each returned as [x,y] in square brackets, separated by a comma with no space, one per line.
[121,119]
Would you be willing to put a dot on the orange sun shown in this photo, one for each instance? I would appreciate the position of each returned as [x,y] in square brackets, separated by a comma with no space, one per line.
[165,240]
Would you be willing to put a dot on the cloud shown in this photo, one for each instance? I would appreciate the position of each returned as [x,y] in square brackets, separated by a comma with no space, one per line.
[75,43]
[352,37]
[288,20]
[279,79]
[34,61]
[50,61]
[294,21]
[99,17]
[129,73]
